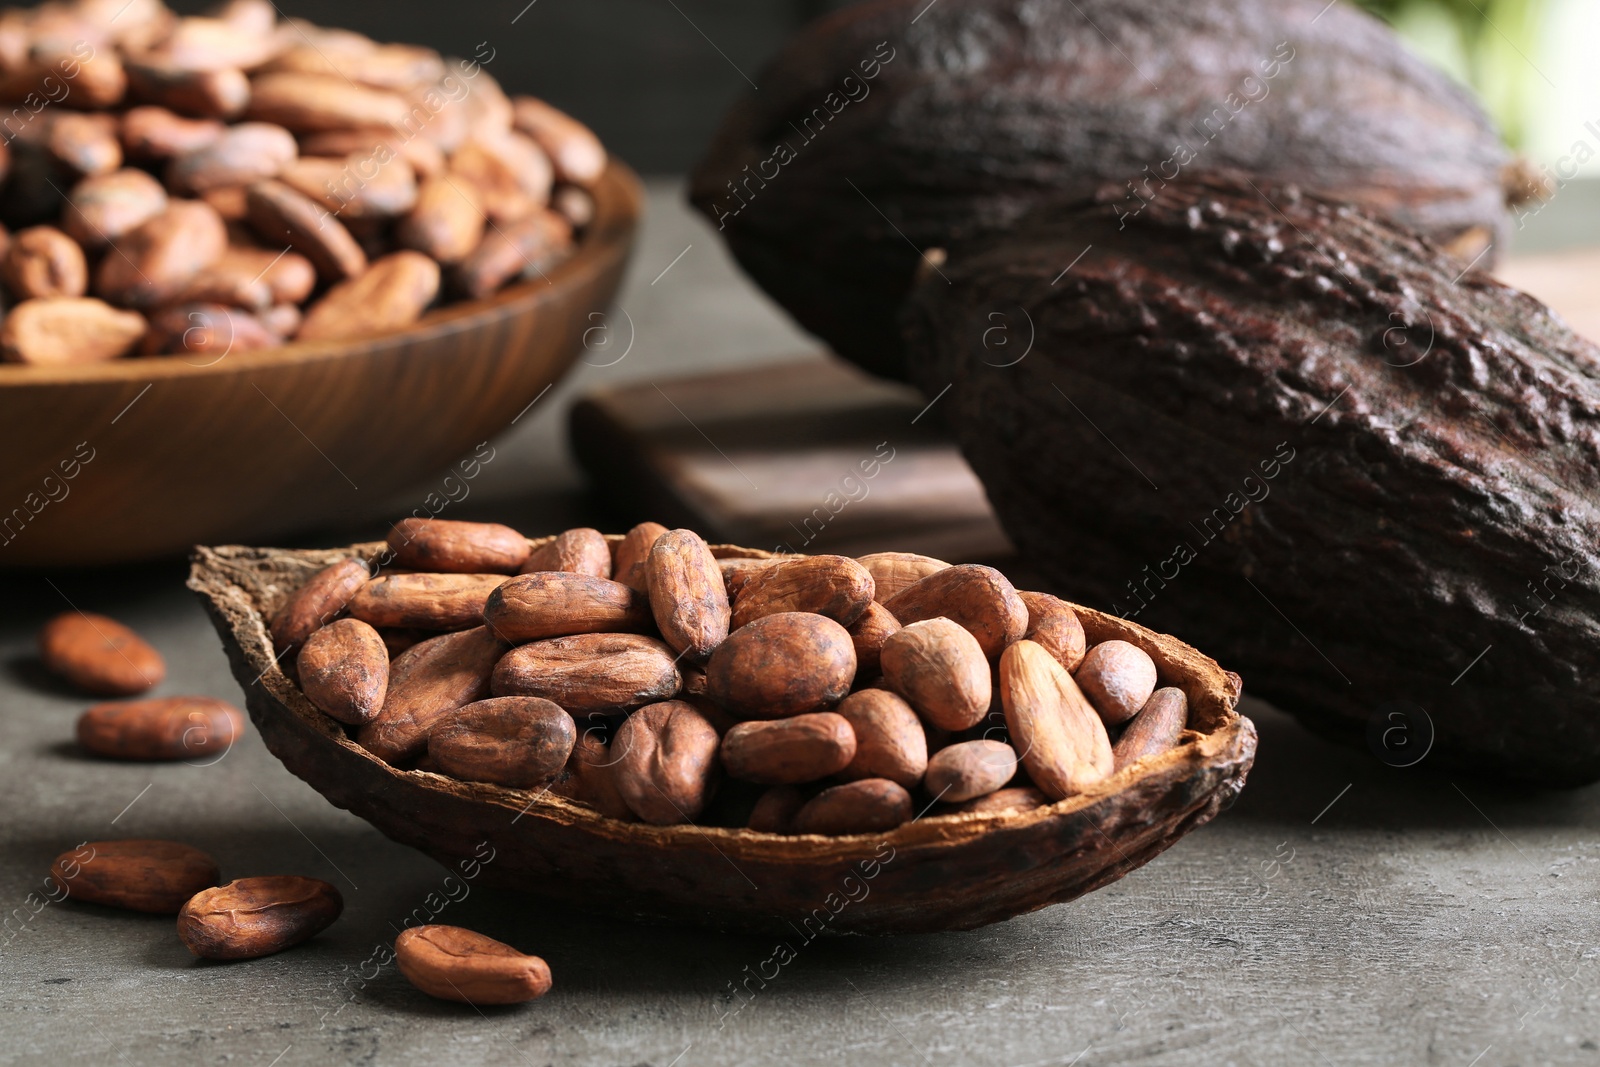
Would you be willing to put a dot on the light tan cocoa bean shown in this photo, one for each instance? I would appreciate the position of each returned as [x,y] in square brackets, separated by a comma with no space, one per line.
[163,728]
[383,66]
[527,248]
[970,769]
[453,963]
[510,170]
[203,94]
[64,330]
[318,602]
[890,740]
[87,145]
[1117,677]
[246,153]
[575,152]
[457,547]
[140,875]
[229,289]
[803,748]
[835,586]
[979,598]
[99,655]
[556,604]
[446,222]
[425,601]
[344,671]
[428,683]
[280,215]
[206,331]
[894,572]
[95,77]
[107,207]
[200,43]
[578,551]
[629,562]
[872,805]
[156,261]
[355,188]
[252,917]
[390,295]
[589,778]
[869,632]
[666,762]
[687,595]
[1057,735]
[1014,798]
[232,202]
[307,103]
[782,665]
[1155,729]
[939,667]
[1053,624]
[518,742]
[590,672]
[248,16]
[152,133]
[289,276]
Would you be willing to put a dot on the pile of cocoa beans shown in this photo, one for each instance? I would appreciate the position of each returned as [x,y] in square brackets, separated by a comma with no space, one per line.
[223,183]
[636,675]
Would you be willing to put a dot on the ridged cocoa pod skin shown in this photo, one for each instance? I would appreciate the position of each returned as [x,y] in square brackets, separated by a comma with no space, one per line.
[1230,359]
[162,728]
[425,601]
[890,740]
[782,665]
[687,594]
[979,598]
[99,655]
[870,805]
[457,964]
[252,917]
[1155,729]
[835,586]
[666,762]
[1053,624]
[343,669]
[556,604]
[140,875]
[980,109]
[457,547]
[318,602]
[519,742]
[590,672]
[802,748]
[428,682]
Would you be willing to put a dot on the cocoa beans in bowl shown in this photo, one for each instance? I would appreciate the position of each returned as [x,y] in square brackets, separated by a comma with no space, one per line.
[617,746]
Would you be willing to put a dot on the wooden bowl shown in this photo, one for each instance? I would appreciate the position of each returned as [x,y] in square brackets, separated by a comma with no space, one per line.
[940,872]
[259,444]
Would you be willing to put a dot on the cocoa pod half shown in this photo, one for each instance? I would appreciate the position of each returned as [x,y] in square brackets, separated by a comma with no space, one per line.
[895,126]
[1256,352]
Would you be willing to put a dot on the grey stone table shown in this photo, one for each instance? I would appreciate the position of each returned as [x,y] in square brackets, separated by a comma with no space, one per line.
[1341,912]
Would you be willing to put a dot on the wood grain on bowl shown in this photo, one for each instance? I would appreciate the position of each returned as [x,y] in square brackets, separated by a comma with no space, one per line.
[138,458]
[937,872]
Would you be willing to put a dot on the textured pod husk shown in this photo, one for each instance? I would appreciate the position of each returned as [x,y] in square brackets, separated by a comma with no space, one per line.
[933,874]
[1378,475]
[905,126]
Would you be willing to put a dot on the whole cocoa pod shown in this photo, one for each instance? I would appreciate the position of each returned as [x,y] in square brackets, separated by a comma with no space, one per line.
[891,127]
[1378,476]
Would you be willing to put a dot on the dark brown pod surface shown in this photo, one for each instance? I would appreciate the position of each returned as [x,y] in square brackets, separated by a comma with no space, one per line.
[1155,729]
[896,126]
[453,963]
[979,598]
[252,917]
[665,762]
[803,748]
[163,728]
[872,804]
[457,547]
[520,742]
[590,672]
[425,601]
[318,602]
[141,875]
[1255,359]
[344,670]
[428,682]
[782,665]
[99,655]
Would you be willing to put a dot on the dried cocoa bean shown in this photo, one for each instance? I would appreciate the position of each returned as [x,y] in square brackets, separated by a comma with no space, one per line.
[382,66]
[890,741]
[99,655]
[580,551]
[391,294]
[140,875]
[246,153]
[1155,729]
[155,133]
[869,632]
[573,204]
[893,572]
[355,188]
[666,762]
[446,222]
[281,215]
[204,329]
[555,604]
[428,683]
[526,248]
[198,43]
[970,769]
[343,670]
[424,157]
[108,207]
[1058,736]
[44,262]
[939,667]
[1015,798]
[1118,678]
[61,331]
[590,672]
[164,728]
[576,153]
[154,262]
[306,103]
[425,601]
[321,600]
[736,573]
[802,748]
[775,811]
[1053,624]
[868,806]
[977,597]
[252,917]
[453,963]
[687,594]
[510,173]
[457,547]
[204,94]
[781,665]
[835,586]
[629,563]
[589,778]
[519,742]
[289,276]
